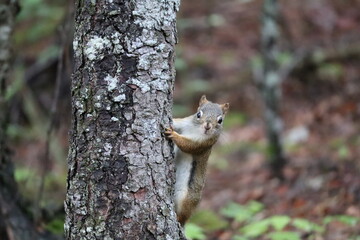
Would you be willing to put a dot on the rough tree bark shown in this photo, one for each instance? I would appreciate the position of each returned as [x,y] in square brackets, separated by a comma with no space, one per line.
[120,175]
[271,84]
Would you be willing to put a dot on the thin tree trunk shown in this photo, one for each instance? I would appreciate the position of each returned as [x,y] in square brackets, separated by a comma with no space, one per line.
[271,84]
[121,175]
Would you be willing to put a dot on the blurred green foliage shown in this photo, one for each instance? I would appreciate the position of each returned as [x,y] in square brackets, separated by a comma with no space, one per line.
[285,58]
[52,51]
[216,20]
[17,84]
[194,86]
[330,71]
[252,224]
[242,213]
[180,111]
[37,19]
[55,226]
[28,180]
[346,219]
[279,222]
[284,235]
[209,220]
[341,146]
[234,119]
[22,174]
[193,231]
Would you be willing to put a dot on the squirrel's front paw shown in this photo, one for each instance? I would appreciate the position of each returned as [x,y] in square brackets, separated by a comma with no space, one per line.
[169,132]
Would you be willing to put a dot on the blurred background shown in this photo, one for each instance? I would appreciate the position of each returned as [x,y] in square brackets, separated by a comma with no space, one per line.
[218,54]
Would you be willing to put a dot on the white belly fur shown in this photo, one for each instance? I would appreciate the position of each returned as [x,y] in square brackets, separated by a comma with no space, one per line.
[183,169]
[184,161]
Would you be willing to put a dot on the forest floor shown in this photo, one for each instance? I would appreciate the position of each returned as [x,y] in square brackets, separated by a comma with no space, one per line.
[313,189]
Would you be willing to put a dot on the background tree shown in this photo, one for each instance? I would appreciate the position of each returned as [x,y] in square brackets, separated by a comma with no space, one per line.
[120,166]
[270,84]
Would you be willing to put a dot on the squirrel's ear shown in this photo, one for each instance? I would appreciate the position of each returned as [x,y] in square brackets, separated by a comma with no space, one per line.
[225,107]
[203,100]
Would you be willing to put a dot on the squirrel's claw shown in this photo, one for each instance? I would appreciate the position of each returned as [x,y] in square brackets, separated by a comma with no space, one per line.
[169,132]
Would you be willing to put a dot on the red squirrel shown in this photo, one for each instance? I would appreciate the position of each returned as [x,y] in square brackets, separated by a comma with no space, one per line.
[194,137]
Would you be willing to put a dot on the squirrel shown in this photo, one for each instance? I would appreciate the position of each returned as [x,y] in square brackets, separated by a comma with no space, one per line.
[194,137]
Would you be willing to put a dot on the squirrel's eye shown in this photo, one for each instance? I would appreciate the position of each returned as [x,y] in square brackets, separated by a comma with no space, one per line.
[199,114]
[220,120]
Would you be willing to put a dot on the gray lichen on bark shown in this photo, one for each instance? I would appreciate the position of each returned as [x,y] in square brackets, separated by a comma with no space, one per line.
[120,167]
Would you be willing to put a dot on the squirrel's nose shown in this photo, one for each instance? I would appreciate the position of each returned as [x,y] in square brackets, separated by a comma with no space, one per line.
[207,126]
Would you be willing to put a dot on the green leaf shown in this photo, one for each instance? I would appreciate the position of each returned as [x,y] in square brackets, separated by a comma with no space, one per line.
[306,225]
[255,206]
[328,219]
[238,212]
[346,219]
[349,220]
[279,222]
[208,220]
[255,229]
[242,212]
[237,237]
[193,231]
[284,236]
[302,224]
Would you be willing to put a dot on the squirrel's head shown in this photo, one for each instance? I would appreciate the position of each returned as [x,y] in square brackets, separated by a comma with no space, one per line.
[210,116]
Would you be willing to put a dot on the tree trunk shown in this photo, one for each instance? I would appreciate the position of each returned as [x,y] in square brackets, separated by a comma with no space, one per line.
[121,174]
[271,84]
